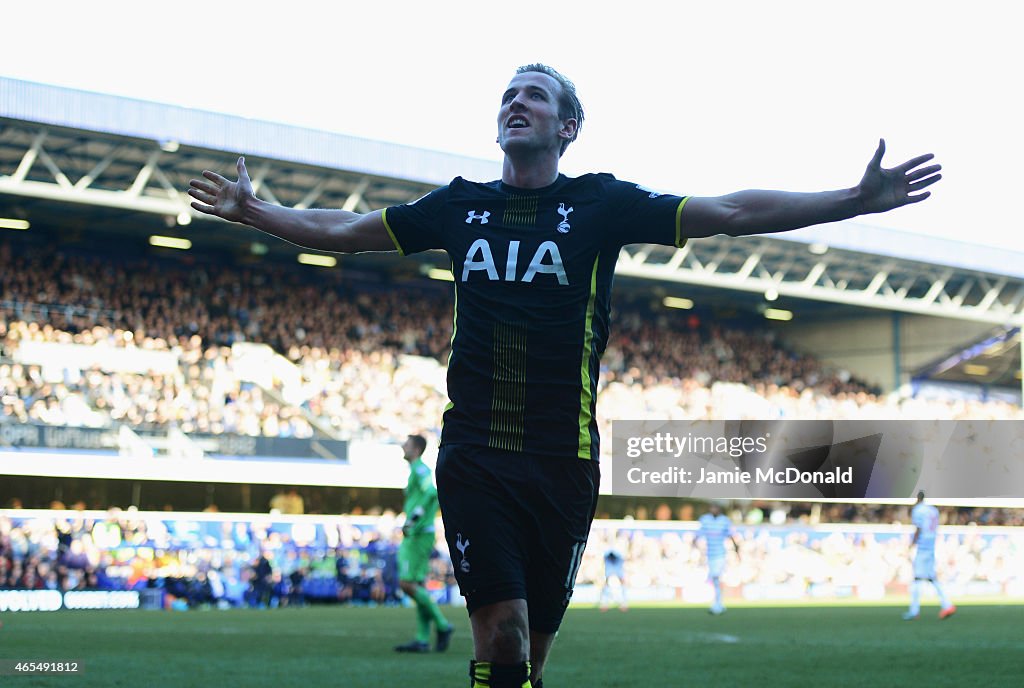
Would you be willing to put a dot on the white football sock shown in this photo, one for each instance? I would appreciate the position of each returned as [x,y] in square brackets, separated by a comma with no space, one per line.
[915,597]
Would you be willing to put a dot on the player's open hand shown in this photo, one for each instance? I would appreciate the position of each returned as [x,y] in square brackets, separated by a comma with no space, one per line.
[218,196]
[884,189]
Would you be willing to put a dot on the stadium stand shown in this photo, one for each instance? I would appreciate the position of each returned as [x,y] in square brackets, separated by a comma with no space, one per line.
[224,560]
[348,346]
[207,560]
[368,363]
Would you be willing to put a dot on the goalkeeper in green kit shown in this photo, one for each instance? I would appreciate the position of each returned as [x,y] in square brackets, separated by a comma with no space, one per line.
[414,552]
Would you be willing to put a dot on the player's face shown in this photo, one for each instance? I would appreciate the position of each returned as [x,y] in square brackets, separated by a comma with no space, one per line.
[528,116]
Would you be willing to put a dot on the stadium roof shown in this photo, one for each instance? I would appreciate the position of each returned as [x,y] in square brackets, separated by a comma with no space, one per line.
[70,146]
[165,124]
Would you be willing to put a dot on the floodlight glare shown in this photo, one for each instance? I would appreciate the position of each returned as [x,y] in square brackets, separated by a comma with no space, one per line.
[441,274]
[170,242]
[778,314]
[11,223]
[318,260]
[677,302]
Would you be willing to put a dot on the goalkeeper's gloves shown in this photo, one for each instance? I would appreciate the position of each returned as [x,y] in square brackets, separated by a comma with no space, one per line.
[412,519]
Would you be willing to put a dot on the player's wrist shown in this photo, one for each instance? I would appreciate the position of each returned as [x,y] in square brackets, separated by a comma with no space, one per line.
[854,202]
[251,210]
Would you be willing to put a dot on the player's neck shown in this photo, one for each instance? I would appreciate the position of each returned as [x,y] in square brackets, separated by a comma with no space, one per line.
[530,173]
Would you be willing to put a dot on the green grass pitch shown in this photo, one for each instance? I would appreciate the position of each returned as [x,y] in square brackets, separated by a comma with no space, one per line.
[348,647]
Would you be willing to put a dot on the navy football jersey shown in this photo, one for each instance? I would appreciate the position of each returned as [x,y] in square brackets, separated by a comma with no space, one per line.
[533,275]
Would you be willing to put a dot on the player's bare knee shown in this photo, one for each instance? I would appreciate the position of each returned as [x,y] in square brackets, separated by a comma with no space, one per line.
[511,639]
[500,633]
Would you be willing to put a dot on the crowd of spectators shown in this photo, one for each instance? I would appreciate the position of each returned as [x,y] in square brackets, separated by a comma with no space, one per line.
[202,395]
[801,562]
[212,562]
[369,357]
[791,513]
[162,303]
[265,562]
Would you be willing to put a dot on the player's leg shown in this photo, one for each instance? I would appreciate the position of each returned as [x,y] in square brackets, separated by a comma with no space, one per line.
[562,506]
[915,600]
[420,642]
[544,620]
[715,568]
[434,616]
[616,578]
[423,546]
[422,621]
[947,608]
[483,528]
[540,650]
[925,568]
[500,633]
[408,577]
[501,645]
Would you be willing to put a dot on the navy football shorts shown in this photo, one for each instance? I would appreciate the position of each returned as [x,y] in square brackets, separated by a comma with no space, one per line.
[516,526]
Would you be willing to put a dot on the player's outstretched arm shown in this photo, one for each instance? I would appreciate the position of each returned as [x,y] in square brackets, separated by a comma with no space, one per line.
[760,212]
[339,231]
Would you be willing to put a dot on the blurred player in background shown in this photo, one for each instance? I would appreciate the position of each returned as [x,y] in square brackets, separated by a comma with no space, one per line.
[715,527]
[614,573]
[533,259]
[417,545]
[926,518]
